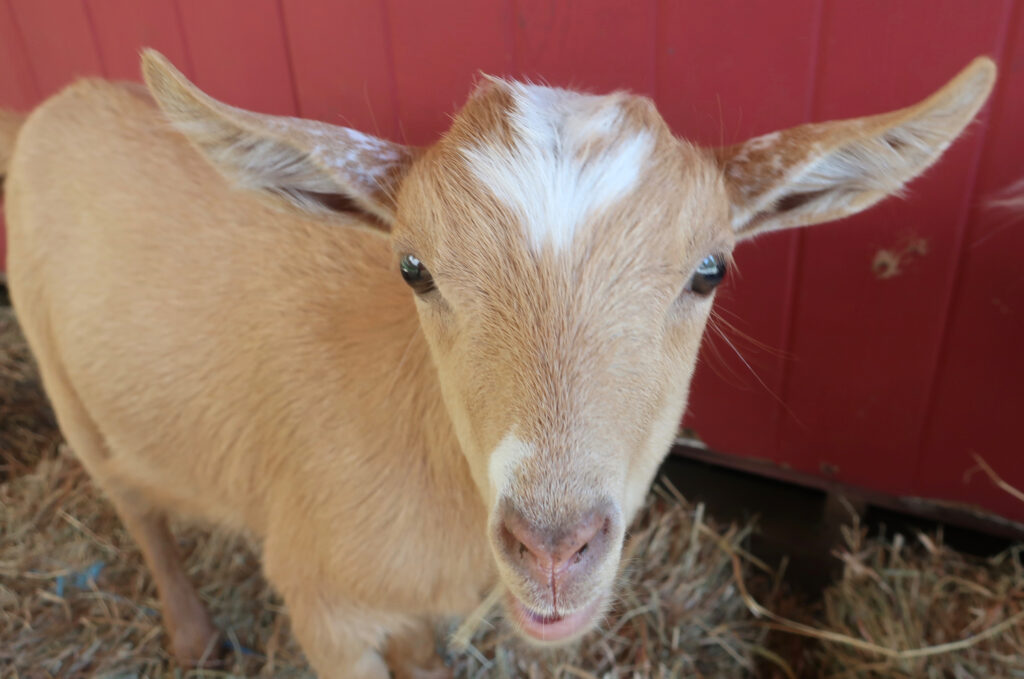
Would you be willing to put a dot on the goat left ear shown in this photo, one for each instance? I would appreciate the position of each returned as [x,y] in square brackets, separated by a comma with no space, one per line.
[823,171]
[314,167]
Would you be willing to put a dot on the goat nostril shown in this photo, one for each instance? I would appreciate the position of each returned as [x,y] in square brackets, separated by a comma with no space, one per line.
[522,550]
[580,552]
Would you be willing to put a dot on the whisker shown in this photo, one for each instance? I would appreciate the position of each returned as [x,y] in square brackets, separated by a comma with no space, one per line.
[756,343]
[746,363]
[720,364]
[778,399]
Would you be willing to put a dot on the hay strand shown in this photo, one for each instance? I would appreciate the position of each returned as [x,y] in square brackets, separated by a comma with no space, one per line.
[980,463]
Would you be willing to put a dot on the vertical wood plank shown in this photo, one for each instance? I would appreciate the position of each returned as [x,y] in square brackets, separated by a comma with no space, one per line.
[17,84]
[597,45]
[58,41]
[757,82]
[463,39]
[864,344]
[17,88]
[124,27]
[239,55]
[978,395]
[342,67]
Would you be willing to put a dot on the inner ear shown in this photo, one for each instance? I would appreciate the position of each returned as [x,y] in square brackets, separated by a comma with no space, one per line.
[334,202]
[794,201]
[786,203]
[339,203]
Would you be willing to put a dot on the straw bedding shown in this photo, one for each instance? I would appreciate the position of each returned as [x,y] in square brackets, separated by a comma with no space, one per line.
[76,600]
[922,610]
[27,427]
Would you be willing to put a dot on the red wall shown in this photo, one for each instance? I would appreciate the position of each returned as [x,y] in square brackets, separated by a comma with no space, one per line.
[889,383]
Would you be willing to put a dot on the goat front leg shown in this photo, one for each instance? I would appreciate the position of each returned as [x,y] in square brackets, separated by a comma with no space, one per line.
[412,653]
[192,635]
[339,641]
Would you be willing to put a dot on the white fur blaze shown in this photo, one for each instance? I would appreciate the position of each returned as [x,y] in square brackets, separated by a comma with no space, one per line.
[505,460]
[571,160]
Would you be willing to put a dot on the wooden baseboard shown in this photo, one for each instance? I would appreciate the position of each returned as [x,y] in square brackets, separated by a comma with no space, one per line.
[952,513]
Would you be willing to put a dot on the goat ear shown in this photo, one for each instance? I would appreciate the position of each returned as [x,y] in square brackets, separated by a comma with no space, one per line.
[318,168]
[820,172]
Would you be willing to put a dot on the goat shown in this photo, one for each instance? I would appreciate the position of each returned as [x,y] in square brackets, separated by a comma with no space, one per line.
[409,373]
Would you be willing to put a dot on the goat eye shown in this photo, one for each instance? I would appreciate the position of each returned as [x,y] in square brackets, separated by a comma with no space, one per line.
[710,272]
[416,275]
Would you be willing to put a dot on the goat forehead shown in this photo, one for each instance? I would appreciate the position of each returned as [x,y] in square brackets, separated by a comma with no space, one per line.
[560,159]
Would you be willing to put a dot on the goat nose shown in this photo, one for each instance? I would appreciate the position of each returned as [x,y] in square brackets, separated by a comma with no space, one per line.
[551,552]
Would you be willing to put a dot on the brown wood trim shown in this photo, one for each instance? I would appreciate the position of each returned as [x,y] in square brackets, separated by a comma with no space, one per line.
[952,513]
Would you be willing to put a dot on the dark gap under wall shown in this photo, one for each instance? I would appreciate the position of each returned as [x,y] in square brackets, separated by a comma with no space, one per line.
[802,523]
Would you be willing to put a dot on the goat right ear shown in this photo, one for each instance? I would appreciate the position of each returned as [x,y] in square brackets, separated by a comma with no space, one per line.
[318,168]
[823,171]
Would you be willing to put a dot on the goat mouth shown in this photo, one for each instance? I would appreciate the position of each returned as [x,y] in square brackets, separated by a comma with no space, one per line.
[556,627]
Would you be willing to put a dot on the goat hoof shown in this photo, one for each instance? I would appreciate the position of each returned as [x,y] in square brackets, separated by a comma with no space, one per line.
[197,646]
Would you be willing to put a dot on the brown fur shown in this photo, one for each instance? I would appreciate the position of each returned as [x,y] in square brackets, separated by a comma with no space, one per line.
[261,364]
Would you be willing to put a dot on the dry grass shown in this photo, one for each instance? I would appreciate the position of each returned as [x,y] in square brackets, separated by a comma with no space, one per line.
[27,427]
[77,601]
[935,613]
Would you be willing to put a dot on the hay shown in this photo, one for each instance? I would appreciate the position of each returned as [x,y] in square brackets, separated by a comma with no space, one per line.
[921,609]
[28,429]
[77,601]
[937,613]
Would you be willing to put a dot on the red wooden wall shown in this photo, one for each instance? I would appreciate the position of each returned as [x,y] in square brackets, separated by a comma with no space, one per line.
[888,383]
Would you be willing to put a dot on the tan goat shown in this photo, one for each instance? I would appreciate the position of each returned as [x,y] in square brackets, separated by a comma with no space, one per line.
[217,304]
